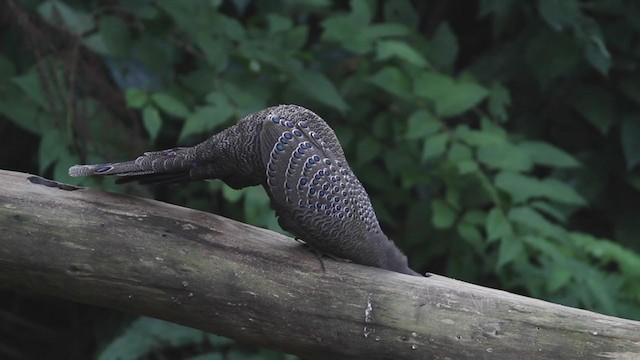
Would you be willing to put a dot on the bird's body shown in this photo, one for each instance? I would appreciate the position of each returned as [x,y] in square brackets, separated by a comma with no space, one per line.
[296,156]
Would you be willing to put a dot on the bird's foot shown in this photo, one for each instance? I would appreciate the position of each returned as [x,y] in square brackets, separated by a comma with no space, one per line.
[320,254]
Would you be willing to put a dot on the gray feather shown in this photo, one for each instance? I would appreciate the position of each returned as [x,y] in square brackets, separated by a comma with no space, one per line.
[298,159]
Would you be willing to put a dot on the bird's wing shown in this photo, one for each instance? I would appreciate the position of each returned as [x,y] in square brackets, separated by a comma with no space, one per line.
[307,179]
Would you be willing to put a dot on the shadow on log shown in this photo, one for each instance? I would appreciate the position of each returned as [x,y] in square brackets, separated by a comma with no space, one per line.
[215,274]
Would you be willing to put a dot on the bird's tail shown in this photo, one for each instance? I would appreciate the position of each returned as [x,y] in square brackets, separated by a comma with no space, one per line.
[158,167]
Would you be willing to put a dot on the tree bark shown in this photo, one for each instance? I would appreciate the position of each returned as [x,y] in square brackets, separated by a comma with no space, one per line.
[219,275]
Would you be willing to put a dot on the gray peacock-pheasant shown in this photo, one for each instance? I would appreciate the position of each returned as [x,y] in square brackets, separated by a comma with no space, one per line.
[297,158]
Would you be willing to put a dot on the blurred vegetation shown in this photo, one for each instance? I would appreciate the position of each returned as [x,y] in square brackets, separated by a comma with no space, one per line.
[499,140]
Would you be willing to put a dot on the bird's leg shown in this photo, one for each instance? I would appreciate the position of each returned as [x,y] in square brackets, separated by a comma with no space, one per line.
[320,254]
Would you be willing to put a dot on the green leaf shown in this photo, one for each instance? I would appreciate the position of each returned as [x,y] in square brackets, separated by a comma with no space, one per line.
[7,69]
[320,88]
[230,194]
[499,99]
[443,214]
[421,124]
[559,14]
[442,48]
[522,187]
[206,118]
[278,23]
[566,56]
[462,156]
[527,216]
[548,209]
[434,146]
[62,165]
[152,121]
[52,146]
[351,30]
[555,189]
[459,152]
[401,12]
[546,154]
[471,235]
[479,138]
[450,97]
[379,31]
[511,248]
[170,104]
[136,98]
[497,225]
[393,81]
[368,149]
[57,12]
[146,336]
[505,156]
[360,12]
[597,54]
[21,111]
[607,250]
[30,84]
[387,49]
[630,139]
[116,35]
[633,179]
[475,217]
[558,279]
[630,87]
[596,105]
[466,167]
[213,355]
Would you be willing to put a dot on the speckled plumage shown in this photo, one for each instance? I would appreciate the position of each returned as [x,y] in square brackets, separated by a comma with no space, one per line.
[296,156]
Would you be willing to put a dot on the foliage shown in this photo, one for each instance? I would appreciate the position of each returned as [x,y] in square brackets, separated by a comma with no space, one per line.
[148,338]
[500,142]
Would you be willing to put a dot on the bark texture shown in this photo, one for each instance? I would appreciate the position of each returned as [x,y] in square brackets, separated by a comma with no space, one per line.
[232,279]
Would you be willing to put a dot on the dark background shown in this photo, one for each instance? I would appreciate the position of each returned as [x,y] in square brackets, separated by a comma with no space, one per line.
[499,140]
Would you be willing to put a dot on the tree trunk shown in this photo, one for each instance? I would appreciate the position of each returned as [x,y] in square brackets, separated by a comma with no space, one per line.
[219,275]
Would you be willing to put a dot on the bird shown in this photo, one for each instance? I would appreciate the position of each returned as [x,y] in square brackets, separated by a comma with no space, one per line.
[294,154]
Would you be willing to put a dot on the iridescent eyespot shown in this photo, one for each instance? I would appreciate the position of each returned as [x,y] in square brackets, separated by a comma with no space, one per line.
[287,135]
[280,147]
[103,169]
